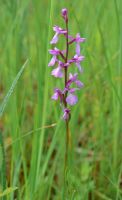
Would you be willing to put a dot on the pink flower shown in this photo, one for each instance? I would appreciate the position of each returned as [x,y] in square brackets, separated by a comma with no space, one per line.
[57,72]
[77,59]
[53,61]
[73,78]
[58,31]
[71,99]
[78,40]
[57,95]
[54,51]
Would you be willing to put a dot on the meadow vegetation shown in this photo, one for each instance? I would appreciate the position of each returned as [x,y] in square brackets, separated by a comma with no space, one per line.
[32,133]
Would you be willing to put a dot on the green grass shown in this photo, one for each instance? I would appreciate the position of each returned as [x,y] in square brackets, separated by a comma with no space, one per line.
[33,142]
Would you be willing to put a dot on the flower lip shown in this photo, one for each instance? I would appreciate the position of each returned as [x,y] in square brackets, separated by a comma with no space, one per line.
[57,94]
[57,72]
[52,61]
[71,99]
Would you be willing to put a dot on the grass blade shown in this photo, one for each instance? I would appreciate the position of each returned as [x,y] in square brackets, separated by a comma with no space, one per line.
[6,98]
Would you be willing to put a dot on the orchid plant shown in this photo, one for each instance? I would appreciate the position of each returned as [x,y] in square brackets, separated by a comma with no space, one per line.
[60,59]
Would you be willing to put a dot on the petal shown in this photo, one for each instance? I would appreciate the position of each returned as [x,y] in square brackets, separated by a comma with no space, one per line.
[60,64]
[70,76]
[71,99]
[55,96]
[76,57]
[54,39]
[78,38]
[56,28]
[57,72]
[81,58]
[74,77]
[54,51]
[52,61]
[59,30]
[72,90]
[79,67]
[70,61]
[78,48]
[82,39]
[69,82]
[62,31]
[79,83]
[65,90]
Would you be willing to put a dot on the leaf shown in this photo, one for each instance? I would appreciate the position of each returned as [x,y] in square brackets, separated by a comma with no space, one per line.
[6,98]
[8,191]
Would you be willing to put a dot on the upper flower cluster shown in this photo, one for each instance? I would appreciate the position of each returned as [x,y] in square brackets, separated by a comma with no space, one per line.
[62,62]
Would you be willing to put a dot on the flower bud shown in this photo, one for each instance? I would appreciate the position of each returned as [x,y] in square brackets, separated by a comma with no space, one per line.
[66,115]
[65,14]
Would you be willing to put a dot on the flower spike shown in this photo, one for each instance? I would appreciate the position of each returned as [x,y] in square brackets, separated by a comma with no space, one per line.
[67,96]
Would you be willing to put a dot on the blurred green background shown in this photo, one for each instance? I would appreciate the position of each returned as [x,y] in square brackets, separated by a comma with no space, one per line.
[31,126]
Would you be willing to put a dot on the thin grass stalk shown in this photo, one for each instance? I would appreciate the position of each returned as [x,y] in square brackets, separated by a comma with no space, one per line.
[2,166]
